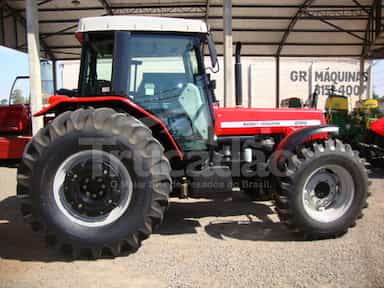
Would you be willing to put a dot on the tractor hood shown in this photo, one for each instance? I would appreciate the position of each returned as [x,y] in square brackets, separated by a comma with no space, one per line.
[248,121]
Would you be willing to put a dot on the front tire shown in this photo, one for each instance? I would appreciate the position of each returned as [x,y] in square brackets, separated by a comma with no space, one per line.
[94,182]
[324,190]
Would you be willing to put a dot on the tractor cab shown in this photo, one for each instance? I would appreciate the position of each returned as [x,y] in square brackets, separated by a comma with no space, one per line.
[161,71]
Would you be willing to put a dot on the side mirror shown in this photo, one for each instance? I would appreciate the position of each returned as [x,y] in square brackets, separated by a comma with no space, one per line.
[212,51]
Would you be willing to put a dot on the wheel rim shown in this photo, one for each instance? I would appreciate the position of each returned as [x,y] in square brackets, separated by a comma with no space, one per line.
[92,188]
[328,193]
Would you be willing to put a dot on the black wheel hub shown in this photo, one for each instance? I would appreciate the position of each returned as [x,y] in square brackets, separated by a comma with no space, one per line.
[92,191]
[322,190]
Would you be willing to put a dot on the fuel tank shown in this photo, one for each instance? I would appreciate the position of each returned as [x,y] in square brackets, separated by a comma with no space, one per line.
[250,121]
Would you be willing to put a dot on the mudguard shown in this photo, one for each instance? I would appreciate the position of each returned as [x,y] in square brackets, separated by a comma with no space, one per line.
[290,142]
[58,104]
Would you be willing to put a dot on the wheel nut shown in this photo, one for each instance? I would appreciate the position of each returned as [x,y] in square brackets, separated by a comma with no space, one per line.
[88,194]
[94,196]
[109,201]
[79,205]
[105,172]
[75,176]
[86,180]
[101,192]
[84,187]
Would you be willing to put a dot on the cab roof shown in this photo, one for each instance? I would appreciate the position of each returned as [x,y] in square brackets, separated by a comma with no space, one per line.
[141,23]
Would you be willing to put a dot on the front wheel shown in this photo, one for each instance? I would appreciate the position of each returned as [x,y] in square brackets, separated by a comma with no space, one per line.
[94,182]
[324,190]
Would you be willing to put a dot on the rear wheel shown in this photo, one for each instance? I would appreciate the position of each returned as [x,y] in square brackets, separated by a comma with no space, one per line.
[94,182]
[324,190]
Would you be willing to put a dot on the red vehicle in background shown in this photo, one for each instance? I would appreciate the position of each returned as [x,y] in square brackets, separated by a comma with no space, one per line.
[15,120]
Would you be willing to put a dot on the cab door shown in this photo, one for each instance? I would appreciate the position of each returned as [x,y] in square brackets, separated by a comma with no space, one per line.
[162,74]
[15,115]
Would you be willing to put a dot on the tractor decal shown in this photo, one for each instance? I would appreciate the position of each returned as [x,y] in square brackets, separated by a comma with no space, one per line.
[276,123]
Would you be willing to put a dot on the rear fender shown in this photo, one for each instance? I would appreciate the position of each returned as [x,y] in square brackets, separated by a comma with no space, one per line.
[59,104]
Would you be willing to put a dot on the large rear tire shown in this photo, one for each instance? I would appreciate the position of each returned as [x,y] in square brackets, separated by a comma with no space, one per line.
[94,182]
[324,190]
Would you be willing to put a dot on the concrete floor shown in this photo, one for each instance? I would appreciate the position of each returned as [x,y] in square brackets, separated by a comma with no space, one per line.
[203,244]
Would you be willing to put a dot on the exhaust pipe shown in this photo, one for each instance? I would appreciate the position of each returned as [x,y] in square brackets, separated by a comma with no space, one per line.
[238,76]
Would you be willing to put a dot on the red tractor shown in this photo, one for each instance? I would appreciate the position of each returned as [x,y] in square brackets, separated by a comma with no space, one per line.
[144,124]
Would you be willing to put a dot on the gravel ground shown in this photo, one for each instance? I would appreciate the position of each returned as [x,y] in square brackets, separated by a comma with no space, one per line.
[203,244]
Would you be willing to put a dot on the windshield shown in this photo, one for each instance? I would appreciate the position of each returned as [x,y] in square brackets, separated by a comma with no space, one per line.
[163,73]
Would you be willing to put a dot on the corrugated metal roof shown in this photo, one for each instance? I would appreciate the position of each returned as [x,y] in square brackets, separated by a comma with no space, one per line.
[265,28]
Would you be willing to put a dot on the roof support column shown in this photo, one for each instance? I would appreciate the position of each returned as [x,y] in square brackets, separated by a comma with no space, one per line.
[361,84]
[277,81]
[228,54]
[34,62]
[369,90]
[2,31]
[54,75]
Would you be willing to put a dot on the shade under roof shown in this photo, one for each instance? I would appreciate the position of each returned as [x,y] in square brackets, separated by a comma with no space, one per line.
[289,28]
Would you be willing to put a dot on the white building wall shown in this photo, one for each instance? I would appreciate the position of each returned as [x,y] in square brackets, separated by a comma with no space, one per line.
[298,78]
[261,83]
[68,74]
[301,78]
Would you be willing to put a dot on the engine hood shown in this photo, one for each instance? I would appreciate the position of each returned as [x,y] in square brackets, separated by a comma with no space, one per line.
[248,121]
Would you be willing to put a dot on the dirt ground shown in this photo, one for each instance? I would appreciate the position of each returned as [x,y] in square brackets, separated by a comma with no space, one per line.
[203,244]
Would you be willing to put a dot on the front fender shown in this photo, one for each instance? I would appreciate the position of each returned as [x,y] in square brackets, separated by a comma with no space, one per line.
[290,142]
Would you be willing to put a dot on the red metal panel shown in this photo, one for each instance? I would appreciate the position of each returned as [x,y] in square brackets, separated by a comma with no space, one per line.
[250,121]
[378,126]
[13,147]
[15,119]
